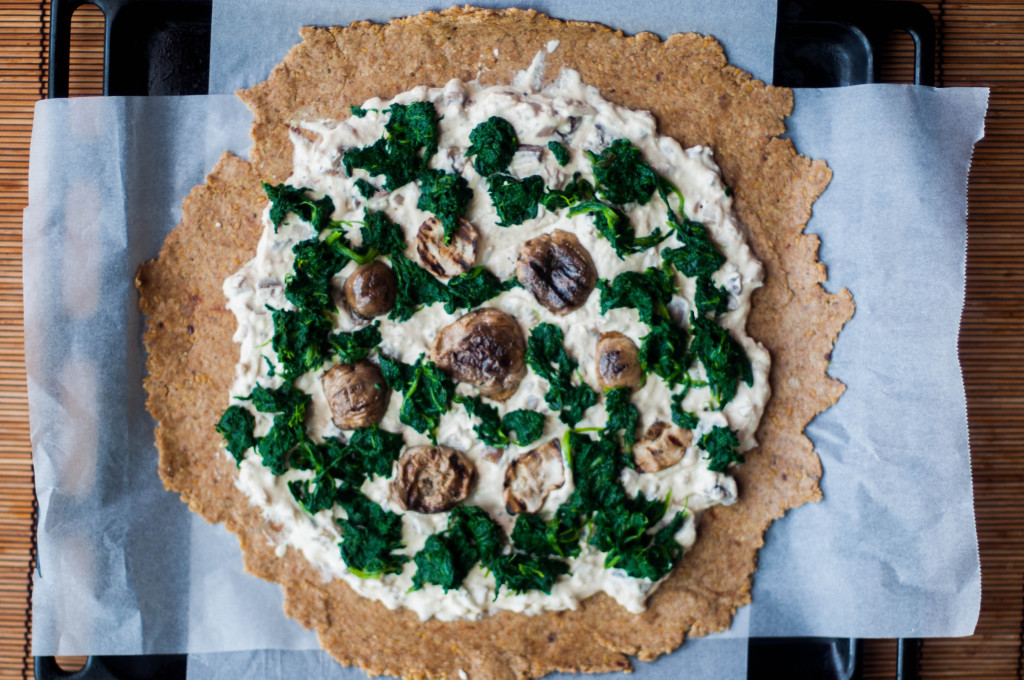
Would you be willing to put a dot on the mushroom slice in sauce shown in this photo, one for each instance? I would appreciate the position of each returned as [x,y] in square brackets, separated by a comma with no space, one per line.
[370,290]
[530,477]
[431,479]
[557,270]
[484,348]
[356,394]
[449,260]
[663,445]
[618,361]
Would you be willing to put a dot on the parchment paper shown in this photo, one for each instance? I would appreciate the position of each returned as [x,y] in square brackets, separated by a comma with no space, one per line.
[124,568]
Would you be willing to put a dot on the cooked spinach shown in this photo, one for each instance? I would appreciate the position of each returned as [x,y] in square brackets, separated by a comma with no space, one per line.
[648,293]
[664,352]
[446,558]
[724,360]
[623,416]
[286,199]
[409,140]
[416,288]
[446,195]
[546,355]
[365,189]
[426,392]
[475,287]
[720,445]
[370,535]
[308,286]
[710,298]
[680,416]
[622,175]
[493,430]
[235,425]
[515,200]
[559,151]
[494,143]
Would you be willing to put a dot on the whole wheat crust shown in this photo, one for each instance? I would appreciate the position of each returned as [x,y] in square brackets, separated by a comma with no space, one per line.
[698,99]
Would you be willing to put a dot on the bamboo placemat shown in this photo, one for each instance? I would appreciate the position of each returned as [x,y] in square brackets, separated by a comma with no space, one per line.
[980,43]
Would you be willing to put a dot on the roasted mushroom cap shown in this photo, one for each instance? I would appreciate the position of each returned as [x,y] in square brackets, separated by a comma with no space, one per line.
[431,479]
[618,361]
[370,290]
[448,260]
[530,477]
[484,348]
[662,446]
[558,270]
[356,394]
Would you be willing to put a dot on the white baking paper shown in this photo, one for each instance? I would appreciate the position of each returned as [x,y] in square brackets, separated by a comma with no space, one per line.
[125,568]
[249,35]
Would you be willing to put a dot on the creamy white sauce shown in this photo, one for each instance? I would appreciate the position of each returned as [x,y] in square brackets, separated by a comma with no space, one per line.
[578,116]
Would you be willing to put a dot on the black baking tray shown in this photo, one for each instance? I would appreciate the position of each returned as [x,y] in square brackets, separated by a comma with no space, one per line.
[162,47]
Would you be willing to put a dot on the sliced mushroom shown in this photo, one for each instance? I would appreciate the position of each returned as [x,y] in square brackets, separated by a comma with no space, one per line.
[558,270]
[449,260]
[431,479]
[356,394]
[530,477]
[370,290]
[618,361]
[662,446]
[484,348]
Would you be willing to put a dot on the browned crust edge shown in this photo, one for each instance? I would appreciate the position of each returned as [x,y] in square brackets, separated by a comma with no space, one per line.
[698,99]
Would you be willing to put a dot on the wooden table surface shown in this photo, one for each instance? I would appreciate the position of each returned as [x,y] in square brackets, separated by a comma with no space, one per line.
[979,43]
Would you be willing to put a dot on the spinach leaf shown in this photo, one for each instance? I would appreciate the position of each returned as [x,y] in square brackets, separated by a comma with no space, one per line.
[528,425]
[446,558]
[236,425]
[577,190]
[720,445]
[380,234]
[648,293]
[489,429]
[365,189]
[698,256]
[724,360]
[473,288]
[376,450]
[622,175]
[546,355]
[309,284]
[355,346]
[370,535]
[410,139]
[426,392]
[622,415]
[446,195]
[708,298]
[680,416]
[556,537]
[663,351]
[416,288]
[614,225]
[285,199]
[515,200]
[288,429]
[559,151]
[493,430]
[520,573]
[494,143]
